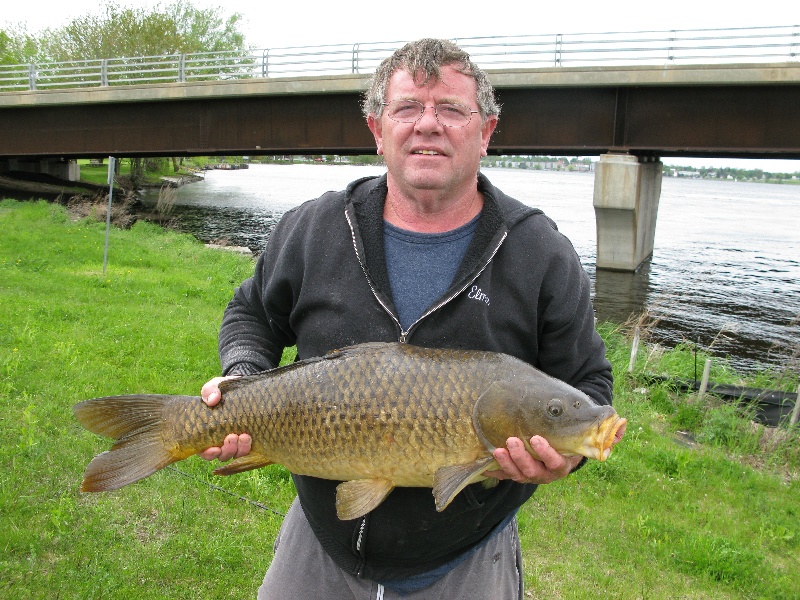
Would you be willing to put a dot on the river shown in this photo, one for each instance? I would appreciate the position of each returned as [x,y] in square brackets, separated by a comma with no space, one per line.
[725,269]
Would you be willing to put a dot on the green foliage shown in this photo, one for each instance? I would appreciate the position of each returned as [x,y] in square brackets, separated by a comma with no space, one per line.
[727,426]
[115,31]
[17,46]
[688,416]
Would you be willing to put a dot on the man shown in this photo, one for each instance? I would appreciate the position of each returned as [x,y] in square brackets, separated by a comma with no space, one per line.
[430,254]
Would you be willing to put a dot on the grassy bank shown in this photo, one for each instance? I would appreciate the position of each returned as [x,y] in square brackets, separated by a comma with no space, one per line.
[709,515]
[155,169]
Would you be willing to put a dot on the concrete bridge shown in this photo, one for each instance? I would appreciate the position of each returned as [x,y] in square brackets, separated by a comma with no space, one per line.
[630,116]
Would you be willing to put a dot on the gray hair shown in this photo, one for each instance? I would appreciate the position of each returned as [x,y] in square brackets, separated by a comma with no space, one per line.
[424,59]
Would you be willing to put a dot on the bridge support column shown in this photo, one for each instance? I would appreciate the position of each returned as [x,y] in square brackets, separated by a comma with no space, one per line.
[59,167]
[626,194]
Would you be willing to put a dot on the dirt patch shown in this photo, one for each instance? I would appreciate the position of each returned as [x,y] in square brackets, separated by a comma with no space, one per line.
[96,208]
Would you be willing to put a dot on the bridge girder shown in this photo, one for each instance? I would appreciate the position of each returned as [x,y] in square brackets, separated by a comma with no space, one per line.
[733,111]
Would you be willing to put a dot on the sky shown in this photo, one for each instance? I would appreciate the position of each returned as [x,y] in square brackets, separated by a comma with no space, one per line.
[274,24]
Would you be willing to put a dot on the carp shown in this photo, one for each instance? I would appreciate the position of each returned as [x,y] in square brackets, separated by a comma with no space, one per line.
[374,416]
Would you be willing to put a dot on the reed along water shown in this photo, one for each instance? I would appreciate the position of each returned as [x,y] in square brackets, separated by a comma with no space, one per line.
[725,269]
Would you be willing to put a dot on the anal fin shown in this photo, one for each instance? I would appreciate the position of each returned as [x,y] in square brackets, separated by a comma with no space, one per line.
[251,461]
[449,481]
[356,498]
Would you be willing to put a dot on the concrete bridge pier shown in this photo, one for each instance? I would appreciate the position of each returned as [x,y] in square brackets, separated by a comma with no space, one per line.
[626,194]
[68,169]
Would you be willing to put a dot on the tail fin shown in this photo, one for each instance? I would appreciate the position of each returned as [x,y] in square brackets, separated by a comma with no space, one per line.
[135,422]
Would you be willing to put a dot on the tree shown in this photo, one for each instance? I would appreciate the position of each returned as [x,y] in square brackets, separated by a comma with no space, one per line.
[17,46]
[116,31]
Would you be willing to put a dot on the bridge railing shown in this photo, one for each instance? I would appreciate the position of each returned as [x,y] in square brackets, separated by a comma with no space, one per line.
[698,46]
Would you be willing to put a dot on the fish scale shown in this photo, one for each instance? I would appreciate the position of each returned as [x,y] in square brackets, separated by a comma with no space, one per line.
[391,404]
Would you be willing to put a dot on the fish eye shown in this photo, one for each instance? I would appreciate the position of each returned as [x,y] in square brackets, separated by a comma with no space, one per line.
[555,408]
[577,404]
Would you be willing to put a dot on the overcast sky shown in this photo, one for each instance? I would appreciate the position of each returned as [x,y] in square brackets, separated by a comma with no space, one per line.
[274,24]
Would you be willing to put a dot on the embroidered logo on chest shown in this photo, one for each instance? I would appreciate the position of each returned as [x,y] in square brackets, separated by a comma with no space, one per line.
[476,293]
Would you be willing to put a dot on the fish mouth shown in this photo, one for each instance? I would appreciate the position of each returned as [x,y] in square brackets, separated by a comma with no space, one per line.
[608,432]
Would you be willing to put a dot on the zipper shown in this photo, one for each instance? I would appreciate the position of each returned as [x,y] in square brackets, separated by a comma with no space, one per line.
[361,533]
[369,279]
[404,334]
[458,292]
[404,337]
[359,541]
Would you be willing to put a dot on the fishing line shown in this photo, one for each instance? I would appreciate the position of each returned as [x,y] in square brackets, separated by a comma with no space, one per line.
[224,491]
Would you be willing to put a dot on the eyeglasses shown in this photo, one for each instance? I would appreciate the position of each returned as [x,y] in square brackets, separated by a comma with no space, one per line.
[411,111]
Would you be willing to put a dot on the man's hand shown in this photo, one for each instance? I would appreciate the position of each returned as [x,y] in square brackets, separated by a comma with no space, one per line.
[517,463]
[234,445]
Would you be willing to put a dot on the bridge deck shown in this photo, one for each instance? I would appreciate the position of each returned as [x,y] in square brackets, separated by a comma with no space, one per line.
[703,110]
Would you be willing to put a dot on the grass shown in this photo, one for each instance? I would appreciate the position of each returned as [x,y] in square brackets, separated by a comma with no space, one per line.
[695,503]
[161,167]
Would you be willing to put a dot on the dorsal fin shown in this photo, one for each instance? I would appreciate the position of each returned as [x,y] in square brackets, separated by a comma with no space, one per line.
[233,384]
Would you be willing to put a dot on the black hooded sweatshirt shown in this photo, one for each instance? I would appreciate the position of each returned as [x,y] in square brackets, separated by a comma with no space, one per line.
[322,284]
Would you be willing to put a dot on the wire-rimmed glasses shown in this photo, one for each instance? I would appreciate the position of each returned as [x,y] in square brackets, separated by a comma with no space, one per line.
[411,111]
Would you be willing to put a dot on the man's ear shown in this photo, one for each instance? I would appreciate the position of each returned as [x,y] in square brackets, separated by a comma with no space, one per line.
[374,124]
[487,129]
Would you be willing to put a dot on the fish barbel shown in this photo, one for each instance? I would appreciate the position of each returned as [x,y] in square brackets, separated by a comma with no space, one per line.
[374,416]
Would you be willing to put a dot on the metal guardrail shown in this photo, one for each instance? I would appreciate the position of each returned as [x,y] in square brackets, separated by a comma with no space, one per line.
[691,46]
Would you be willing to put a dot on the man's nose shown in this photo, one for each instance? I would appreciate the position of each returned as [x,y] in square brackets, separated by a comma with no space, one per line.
[428,119]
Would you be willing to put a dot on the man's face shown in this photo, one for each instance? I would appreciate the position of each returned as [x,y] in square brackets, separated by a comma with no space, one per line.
[426,155]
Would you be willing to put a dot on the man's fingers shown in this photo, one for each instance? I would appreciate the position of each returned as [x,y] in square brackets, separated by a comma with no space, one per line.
[245,443]
[212,398]
[210,453]
[517,463]
[551,459]
[229,447]
[521,467]
[210,391]
[234,445]
[508,470]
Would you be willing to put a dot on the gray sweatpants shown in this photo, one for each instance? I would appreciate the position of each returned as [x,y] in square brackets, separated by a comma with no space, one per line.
[301,570]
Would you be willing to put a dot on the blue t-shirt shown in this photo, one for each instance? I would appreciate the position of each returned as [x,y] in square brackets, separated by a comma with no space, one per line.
[421,266]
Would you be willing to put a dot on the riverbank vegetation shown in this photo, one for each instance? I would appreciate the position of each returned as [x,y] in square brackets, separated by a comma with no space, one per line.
[584,164]
[696,502]
[153,169]
[149,171]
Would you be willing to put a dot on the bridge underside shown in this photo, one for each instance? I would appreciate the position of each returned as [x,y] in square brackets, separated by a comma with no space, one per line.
[744,122]
[731,121]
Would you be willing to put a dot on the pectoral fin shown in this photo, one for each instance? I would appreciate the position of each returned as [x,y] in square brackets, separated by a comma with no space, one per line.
[449,481]
[356,498]
[254,460]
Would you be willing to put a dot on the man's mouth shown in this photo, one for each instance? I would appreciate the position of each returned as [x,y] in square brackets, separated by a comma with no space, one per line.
[426,152]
